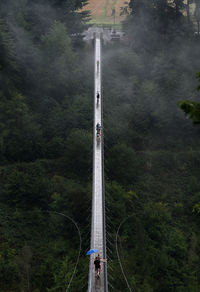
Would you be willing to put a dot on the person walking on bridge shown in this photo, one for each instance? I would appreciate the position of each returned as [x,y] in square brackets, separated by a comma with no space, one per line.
[98,96]
[98,128]
[97,264]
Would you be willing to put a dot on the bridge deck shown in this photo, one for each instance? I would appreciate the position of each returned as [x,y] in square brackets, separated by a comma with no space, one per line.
[97,228]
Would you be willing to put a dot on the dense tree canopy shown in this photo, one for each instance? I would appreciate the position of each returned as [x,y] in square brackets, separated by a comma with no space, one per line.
[152,151]
[152,157]
[155,22]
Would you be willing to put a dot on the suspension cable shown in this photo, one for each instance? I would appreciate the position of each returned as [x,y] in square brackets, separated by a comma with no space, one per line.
[116,245]
[80,239]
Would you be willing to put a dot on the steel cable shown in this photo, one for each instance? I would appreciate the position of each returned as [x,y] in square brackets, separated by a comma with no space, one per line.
[122,270]
[80,244]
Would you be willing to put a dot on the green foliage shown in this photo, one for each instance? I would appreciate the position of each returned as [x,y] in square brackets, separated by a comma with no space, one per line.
[150,20]
[122,164]
[198,77]
[7,56]
[152,247]
[159,161]
[8,266]
[78,153]
[196,208]
[152,158]
[26,185]
[153,153]
[70,195]
[43,111]
[191,108]
[58,62]
[20,135]
[62,275]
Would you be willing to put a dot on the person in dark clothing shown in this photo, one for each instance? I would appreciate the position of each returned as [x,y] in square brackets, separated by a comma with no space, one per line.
[98,96]
[98,128]
[97,264]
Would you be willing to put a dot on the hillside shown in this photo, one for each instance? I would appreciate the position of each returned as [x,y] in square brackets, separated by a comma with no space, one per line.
[151,150]
[101,11]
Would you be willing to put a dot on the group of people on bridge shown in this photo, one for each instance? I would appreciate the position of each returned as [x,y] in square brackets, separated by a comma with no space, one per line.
[98,259]
[98,130]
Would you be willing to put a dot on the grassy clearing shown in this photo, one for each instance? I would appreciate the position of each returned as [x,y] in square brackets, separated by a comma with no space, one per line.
[117,26]
[102,21]
[101,12]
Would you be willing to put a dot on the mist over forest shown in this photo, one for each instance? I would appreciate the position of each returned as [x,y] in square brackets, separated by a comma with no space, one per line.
[151,141]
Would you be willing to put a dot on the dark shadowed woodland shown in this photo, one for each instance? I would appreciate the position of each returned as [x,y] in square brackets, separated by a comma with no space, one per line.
[152,146]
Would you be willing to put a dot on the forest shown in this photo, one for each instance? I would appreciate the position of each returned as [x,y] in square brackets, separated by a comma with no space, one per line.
[152,137]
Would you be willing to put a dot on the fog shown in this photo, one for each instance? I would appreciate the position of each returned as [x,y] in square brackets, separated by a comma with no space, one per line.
[145,77]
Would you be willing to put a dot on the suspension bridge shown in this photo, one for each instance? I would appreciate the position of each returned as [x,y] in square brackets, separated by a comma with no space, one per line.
[98,232]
